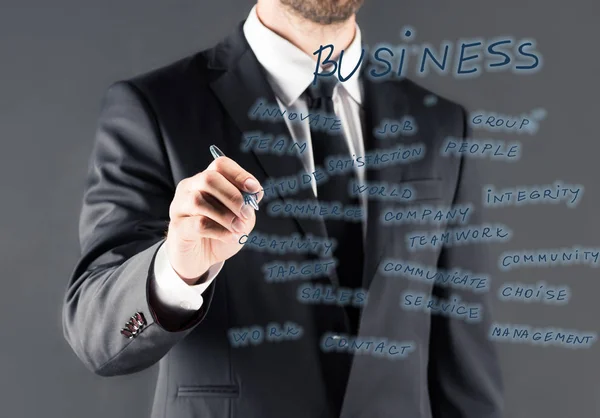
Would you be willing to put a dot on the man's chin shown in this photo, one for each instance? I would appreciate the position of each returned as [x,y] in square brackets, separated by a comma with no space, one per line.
[324,12]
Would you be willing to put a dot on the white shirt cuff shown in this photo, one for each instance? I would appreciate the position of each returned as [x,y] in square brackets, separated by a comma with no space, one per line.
[172,292]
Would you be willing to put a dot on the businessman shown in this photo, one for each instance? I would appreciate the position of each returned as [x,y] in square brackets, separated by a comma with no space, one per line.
[165,275]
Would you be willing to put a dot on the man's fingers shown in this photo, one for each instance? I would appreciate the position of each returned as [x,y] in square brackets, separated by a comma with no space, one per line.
[213,183]
[239,177]
[211,206]
[190,227]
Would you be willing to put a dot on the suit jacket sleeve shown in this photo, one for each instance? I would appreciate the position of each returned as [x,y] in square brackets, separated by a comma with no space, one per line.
[464,373]
[123,221]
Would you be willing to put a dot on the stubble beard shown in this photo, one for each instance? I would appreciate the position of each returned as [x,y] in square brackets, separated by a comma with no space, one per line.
[324,12]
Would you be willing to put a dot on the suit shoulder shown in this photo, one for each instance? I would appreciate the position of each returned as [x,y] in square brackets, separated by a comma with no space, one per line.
[186,74]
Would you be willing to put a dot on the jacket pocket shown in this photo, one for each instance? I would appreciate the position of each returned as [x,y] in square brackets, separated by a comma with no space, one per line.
[209,391]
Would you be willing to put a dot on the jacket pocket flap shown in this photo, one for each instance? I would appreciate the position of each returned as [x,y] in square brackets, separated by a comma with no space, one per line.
[213,391]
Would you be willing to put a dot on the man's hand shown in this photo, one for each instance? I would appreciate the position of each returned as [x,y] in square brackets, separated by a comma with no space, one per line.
[208,216]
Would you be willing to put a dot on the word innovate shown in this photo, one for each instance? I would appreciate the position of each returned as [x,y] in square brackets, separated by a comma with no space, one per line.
[331,295]
[293,244]
[272,112]
[378,158]
[495,122]
[457,236]
[273,332]
[540,292]
[540,336]
[522,195]
[481,148]
[378,347]
[458,279]
[550,257]
[425,213]
[455,309]
[291,270]
[467,53]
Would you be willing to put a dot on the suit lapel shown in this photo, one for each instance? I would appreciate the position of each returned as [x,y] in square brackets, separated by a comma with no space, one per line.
[243,82]
[383,100]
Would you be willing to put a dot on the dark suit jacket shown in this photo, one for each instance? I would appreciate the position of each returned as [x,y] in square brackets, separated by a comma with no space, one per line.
[155,130]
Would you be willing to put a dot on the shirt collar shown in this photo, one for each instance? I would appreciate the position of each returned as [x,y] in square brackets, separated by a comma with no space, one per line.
[290,70]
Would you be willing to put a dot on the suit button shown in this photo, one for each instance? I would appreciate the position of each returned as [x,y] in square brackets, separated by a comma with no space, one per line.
[134,325]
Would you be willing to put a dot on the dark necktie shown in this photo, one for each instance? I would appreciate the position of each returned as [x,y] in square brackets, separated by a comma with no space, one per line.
[347,233]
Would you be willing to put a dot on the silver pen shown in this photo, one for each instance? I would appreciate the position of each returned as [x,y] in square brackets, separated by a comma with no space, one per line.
[248,197]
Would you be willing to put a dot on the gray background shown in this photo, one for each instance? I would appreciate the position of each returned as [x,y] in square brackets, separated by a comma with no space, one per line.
[58,57]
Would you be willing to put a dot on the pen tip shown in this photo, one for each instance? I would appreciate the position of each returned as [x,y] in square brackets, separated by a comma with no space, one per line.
[215,151]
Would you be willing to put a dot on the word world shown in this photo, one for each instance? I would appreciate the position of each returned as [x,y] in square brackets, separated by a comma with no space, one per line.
[255,335]
[382,191]
[458,278]
[550,257]
[330,295]
[378,347]
[431,304]
[457,236]
[522,195]
[540,292]
[541,336]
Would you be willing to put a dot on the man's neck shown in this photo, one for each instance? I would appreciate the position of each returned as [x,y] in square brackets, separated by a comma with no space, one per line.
[304,34]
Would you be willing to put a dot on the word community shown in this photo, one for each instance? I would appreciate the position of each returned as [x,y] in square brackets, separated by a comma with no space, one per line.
[549,257]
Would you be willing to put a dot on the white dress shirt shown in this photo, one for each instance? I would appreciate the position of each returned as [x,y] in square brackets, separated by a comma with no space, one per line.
[289,72]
